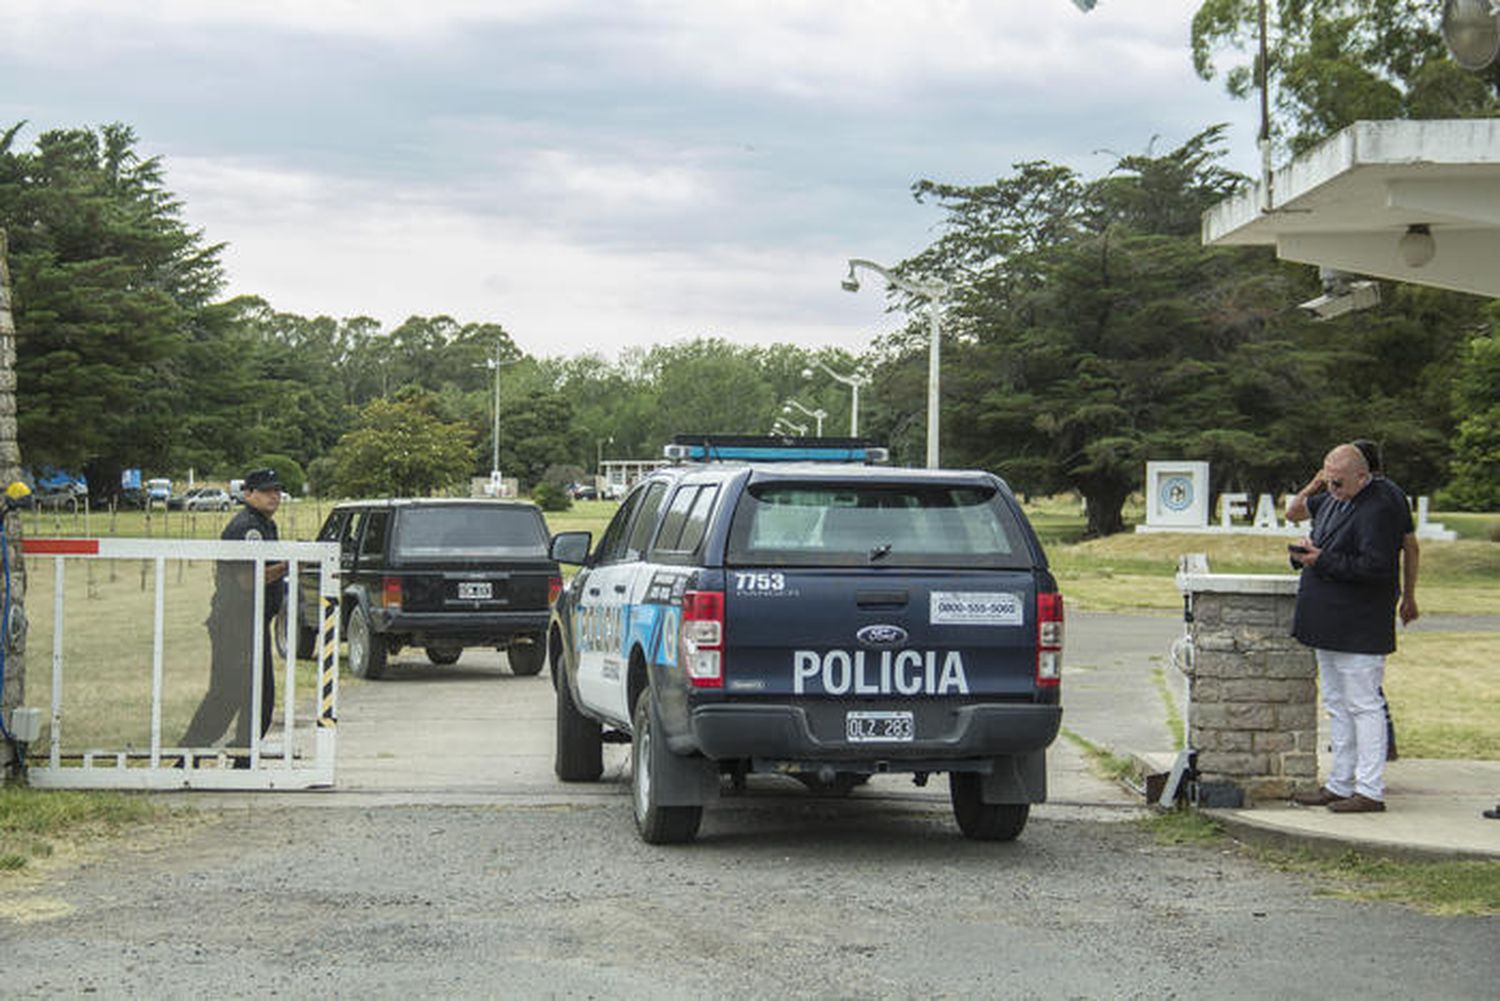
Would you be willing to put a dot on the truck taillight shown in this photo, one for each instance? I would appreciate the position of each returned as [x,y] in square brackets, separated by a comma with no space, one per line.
[390,593]
[554,588]
[700,638]
[1049,638]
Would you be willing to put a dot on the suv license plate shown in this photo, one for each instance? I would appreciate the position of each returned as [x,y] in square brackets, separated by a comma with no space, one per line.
[475,589]
[866,727]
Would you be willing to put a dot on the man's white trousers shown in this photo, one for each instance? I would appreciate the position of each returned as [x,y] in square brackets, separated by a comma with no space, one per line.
[1351,694]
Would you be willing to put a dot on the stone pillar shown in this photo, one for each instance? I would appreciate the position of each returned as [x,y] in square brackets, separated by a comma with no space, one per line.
[1252,688]
[14,691]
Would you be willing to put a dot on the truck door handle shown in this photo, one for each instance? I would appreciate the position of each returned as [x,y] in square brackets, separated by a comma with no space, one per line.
[594,592]
[619,589]
[880,599]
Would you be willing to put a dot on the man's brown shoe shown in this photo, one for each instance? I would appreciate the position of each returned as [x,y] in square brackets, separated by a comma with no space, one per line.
[1357,804]
[1320,798]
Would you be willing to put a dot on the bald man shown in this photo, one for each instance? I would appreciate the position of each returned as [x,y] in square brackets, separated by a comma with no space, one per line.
[1346,611]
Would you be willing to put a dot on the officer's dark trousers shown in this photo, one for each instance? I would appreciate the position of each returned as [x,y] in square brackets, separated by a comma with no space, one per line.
[228,695]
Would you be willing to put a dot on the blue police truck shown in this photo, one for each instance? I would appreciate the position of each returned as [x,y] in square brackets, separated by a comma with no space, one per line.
[789,606]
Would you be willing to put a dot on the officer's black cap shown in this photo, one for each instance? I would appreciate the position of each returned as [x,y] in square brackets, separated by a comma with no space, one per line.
[262,479]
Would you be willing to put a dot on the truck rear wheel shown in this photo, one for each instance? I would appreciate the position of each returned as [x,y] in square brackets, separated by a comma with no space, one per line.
[366,647]
[657,824]
[525,657]
[980,820]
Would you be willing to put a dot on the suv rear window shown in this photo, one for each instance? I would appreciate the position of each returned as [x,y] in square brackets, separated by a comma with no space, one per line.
[910,525]
[464,531]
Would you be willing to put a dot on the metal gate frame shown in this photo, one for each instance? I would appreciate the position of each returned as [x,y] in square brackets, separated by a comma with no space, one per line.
[204,768]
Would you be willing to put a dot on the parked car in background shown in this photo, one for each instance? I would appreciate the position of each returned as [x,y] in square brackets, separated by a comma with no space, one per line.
[158,491]
[179,503]
[207,499]
[131,499]
[583,491]
[57,481]
[58,500]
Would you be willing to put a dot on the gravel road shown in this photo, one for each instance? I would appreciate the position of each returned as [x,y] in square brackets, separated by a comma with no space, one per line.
[786,896]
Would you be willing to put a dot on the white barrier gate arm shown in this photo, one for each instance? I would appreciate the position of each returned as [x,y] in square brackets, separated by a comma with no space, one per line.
[206,768]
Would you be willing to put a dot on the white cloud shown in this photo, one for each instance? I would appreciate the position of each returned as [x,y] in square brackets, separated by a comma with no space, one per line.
[398,20]
[312,245]
[876,51]
[594,184]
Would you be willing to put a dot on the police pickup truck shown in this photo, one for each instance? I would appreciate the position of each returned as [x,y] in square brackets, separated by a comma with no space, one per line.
[786,606]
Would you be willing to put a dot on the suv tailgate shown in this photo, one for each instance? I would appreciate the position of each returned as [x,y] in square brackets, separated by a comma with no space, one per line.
[845,633]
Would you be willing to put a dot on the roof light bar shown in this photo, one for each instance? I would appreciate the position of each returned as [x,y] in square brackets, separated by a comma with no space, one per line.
[772,448]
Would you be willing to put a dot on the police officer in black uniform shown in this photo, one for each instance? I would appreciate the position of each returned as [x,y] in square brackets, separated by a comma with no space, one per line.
[231,627]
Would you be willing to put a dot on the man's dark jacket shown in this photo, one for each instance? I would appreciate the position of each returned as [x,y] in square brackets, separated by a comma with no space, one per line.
[1347,600]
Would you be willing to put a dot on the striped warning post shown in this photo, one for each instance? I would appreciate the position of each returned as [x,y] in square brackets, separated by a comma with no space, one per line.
[326,650]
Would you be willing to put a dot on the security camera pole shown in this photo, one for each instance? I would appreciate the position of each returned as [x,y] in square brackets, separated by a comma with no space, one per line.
[935,292]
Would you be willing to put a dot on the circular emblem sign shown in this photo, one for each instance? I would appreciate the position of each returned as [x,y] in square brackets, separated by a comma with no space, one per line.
[1176,493]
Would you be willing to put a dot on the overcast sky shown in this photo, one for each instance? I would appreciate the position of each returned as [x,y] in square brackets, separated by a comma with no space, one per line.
[600,173]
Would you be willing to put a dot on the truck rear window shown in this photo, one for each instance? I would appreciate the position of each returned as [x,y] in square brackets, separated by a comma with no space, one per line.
[469,531]
[914,525]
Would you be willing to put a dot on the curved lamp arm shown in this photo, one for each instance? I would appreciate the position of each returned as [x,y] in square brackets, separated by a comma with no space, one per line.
[935,292]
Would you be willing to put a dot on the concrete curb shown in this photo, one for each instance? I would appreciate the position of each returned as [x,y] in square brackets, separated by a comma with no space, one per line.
[1259,832]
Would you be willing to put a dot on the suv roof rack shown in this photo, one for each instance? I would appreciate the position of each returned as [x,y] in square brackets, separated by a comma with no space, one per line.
[771,448]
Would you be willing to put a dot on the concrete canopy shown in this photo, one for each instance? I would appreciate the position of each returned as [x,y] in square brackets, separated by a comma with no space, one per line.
[1346,203]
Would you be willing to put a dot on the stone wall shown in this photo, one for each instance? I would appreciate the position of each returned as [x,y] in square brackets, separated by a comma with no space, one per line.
[1252,689]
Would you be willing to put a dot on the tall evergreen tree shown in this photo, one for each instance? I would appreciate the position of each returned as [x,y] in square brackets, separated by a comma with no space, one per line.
[109,282]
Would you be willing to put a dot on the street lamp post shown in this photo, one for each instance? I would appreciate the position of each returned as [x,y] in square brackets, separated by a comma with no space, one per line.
[495,428]
[935,292]
[494,364]
[853,381]
[784,426]
[816,415]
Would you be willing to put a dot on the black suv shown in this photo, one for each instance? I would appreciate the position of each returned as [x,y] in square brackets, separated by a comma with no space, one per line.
[817,618]
[439,574]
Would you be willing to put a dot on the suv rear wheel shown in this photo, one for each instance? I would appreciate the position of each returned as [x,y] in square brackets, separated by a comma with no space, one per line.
[980,820]
[526,657]
[366,647]
[658,825]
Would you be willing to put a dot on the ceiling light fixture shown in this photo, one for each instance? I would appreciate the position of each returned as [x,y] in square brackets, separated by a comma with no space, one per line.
[1416,246]
[1471,30]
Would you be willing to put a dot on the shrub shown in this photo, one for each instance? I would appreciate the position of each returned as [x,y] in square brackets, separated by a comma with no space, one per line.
[551,497]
